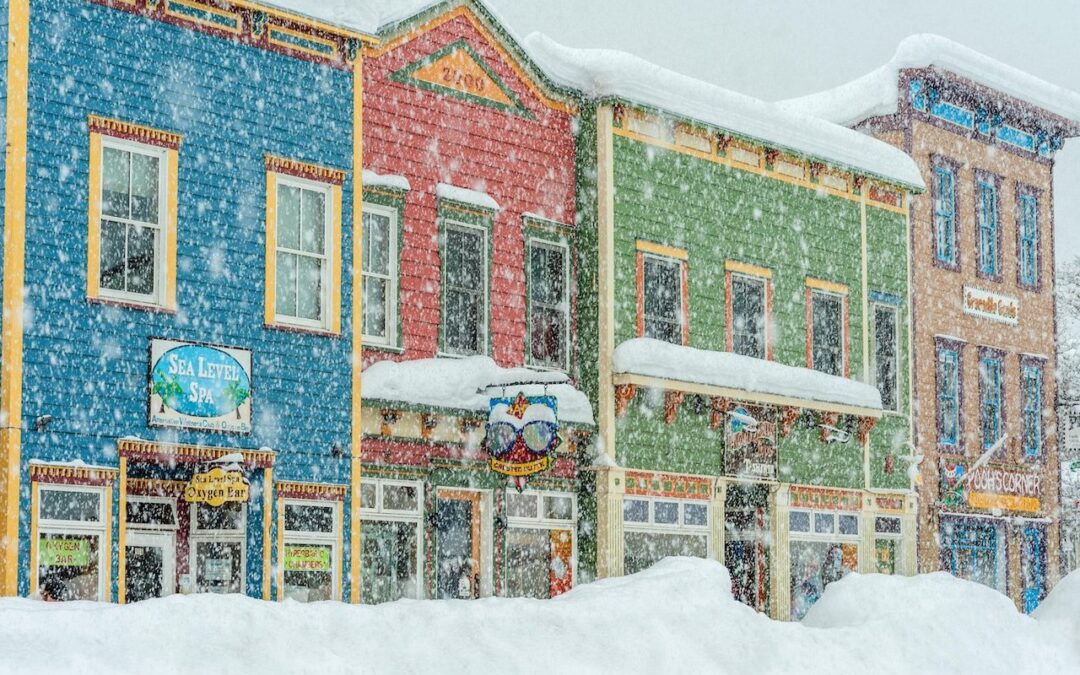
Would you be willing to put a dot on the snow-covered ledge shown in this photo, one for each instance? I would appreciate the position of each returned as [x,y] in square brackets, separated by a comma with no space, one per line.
[466,196]
[648,362]
[468,384]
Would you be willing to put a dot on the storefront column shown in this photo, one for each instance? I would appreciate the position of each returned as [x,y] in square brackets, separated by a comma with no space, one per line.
[781,571]
[121,552]
[610,488]
[718,518]
[909,545]
[268,519]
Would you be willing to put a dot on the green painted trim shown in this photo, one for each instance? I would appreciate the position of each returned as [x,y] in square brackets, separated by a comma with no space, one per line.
[405,76]
[397,203]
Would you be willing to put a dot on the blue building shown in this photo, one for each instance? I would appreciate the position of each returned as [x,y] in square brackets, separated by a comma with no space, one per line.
[180,361]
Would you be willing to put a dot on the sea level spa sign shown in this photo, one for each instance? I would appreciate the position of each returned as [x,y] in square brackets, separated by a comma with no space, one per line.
[195,386]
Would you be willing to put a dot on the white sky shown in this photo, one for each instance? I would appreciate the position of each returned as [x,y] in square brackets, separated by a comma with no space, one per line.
[776,49]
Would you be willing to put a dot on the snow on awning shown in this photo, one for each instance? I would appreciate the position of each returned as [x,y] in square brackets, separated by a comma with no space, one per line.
[468,384]
[745,377]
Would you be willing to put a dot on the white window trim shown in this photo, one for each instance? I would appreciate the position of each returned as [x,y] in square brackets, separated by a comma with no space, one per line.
[305,537]
[327,257]
[652,526]
[447,225]
[157,298]
[887,535]
[765,310]
[239,533]
[843,332]
[74,527]
[540,522]
[833,536]
[564,249]
[682,316]
[874,306]
[155,527]
[394,514]
[391,309]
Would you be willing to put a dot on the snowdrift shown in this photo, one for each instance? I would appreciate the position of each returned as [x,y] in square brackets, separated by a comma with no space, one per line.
[677,616]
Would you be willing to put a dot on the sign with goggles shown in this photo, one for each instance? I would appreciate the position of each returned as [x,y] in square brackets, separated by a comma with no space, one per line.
[522,434]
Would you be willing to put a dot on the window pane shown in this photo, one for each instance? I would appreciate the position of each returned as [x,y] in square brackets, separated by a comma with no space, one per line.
[886,525]
[376,243]
[113,255]
[286,284]
[115,182]
[388,559]
[522,506]
[547,282]
[828,333]
[400,498]
[142,245]
[799,521]
[144,187]
[217,566]
[465,288]
[558,508]
[369,493]
[288,217]
[885,356]
[696,514]
[70,505]
[374,306]
[748,316]
[547,336]
[462,318]
[150,513]
[528,563]
[309,288]
[666,513]
[643,549]
[824,523]
[228,516]
[313,222]
[663,300]
[635,511]
[309,572]
[67,567]
[815,565]
[309,518]
[849,524]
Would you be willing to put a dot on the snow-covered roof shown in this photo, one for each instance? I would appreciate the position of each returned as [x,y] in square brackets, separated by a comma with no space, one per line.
[602,73]
[466,196]
[654,358]
[876,92]
[468,384]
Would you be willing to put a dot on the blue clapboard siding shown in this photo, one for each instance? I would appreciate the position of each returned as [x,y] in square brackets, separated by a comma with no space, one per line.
[86,364]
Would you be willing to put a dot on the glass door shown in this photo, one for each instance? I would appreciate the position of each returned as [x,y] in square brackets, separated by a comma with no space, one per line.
[1033,568]
[457,532]
[217,547]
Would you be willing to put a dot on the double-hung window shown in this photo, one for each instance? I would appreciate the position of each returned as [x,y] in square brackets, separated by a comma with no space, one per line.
[827,332]
[749,315]
[986,208]
[549,304]
[380,275]
[303,253]
[945,214]
[948,395]
[990,386]
[885,355]
[1028,233]
[1032,408]
[465,312]
[662,310]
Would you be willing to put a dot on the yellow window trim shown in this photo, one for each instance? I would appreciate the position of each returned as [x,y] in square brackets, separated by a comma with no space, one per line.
[662,250]
[829,286]
[105,546]
[747,268]
[93,240]
[270,305]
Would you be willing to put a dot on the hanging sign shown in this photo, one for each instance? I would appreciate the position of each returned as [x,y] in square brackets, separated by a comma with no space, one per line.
[750,443]
[522,434]
[991,487]
[993,306]
[202,387]
[217,486]
[299,558]
[64,552]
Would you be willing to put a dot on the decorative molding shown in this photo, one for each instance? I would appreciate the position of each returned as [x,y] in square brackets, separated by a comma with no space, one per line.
[315,172]
[672,401]
[153,451]
[806,497]
[428,422]
[66,474]
[303,490]
[865,425]
[718,408]
[389,417]
[134,132]
[788,417]
[668,485]
[624,394]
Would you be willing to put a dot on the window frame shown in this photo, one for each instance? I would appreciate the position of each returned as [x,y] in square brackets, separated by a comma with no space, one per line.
[330,322]
[392,338]
[102,528]
[991,355]
[373,516]
[156,527]
[563,247]
[759,275]
[668,528]
[985,179]
[817,288]
[1037,367]
[834,535]
[1034,280]
[164,295]
[665,255]
[334,539]
[942,165]
[895,311]
[956,348]
[458,222]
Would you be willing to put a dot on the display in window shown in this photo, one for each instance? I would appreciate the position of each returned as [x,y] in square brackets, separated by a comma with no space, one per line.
[68,567]
[309,573]
[538,562]
[815,565]
[389,561]
[644,549]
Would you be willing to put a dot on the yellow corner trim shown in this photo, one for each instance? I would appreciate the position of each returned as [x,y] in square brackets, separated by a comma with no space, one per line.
[268,514]
[280,595]
[747,268]
[335,260]
[830,286]
[662,250]
[93,241]
[270,275]
[355,429]
[121,551]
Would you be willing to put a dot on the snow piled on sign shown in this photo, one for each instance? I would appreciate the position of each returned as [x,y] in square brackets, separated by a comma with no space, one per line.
[601,73]
[654,358]
[468,384]
[677,616]
[876,93]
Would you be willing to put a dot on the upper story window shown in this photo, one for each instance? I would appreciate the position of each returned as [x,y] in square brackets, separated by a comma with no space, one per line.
[1032,376]
[986,209]
[885,355]
[380,274]
[948,394]
[303,241]
[828,332]
[1028,236]
[944,187]
[549,304]
[465,289]
[131,247]
[748,314]
[991,395]
[662,298]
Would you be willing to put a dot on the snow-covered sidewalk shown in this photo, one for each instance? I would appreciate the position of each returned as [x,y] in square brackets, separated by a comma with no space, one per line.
[678,616]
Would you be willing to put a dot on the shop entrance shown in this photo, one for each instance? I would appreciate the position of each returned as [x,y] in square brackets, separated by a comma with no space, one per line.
[217,547]
[459,569]
[1033,567]
[747,543]
[151,565]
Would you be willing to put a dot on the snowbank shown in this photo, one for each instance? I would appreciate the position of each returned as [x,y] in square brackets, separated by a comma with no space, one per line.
[677,616]
[605,73]
[468,384]
[876,93]
[654,358]
[1062,606]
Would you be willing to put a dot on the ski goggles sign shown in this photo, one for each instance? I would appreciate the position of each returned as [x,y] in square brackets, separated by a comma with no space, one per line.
[522,434]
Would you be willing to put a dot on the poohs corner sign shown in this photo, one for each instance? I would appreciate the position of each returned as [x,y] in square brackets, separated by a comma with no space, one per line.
[992,306]
[522,434]
[195,386]
[990,488]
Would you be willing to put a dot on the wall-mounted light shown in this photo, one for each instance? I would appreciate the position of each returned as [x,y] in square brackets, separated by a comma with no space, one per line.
[42,423]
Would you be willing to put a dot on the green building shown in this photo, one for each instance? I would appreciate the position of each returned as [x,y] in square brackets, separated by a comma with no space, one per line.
[743,331]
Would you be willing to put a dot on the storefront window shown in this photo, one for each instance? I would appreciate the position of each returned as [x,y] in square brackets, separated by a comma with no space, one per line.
[391,567]
[822,556]
[217,542]
[310,542]
[973,549]
[71,524]
[539,544]
[657,528]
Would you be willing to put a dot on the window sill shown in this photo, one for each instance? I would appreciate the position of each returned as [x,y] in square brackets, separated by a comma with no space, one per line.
[375,347]
[303,330]
[131,304]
